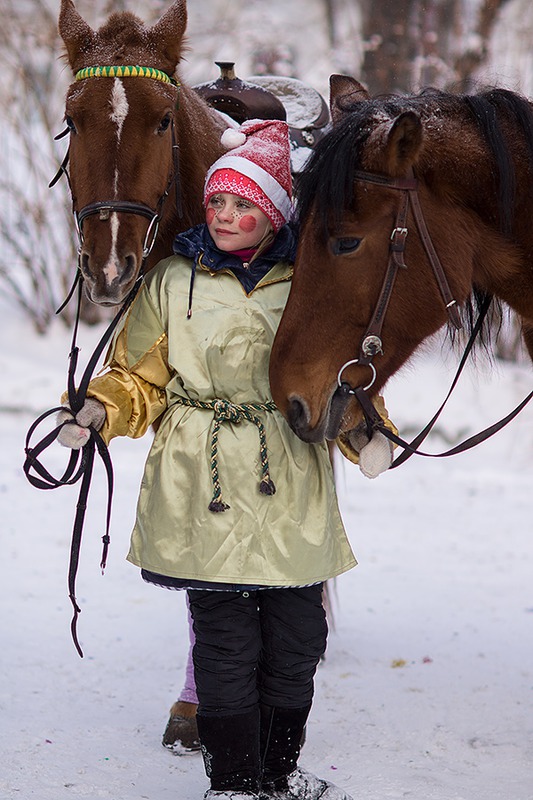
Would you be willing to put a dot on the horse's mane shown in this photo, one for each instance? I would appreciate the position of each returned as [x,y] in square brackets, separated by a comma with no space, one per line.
[329,189]
[327,182]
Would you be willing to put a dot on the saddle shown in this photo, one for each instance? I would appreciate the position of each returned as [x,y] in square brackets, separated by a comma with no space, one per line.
[271,97]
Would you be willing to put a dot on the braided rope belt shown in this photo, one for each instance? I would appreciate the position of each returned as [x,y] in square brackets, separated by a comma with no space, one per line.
[224,411]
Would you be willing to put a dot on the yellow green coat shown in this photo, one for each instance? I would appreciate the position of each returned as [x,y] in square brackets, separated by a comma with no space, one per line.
[294,537]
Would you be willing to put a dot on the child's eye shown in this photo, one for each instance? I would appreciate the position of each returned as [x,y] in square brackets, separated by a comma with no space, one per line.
[215,201]
[245,204]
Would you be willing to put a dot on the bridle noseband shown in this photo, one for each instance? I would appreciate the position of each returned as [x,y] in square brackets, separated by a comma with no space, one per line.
[106,207]
[371,343]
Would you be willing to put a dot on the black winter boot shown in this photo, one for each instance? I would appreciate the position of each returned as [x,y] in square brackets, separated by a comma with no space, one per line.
[281,739]
[230,749]
[281,733]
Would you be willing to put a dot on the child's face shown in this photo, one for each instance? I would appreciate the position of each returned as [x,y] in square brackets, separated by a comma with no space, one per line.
[235,223]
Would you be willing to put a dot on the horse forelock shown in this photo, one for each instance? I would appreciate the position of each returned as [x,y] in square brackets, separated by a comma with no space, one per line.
[327,183]
[124,39]
[123,28]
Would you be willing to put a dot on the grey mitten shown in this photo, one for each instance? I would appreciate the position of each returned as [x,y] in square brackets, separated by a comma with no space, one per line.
[77,434]
[375,454]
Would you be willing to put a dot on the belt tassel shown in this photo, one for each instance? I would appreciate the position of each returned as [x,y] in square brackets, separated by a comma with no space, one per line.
[224,411]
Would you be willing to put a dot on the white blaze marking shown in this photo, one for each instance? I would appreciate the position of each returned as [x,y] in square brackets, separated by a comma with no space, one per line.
[110,269]
[119,106]
[119,112]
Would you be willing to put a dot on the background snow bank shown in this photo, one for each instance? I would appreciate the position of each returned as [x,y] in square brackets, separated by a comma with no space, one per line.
[427,687]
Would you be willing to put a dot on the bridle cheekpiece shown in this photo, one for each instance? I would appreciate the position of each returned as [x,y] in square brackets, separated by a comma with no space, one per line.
[106,207]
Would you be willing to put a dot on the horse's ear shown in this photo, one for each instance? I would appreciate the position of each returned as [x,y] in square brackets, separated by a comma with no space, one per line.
[404,140]
[168,32]
[343,88]
[76,34]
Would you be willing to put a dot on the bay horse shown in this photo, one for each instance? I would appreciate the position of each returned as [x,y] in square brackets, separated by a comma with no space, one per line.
[140,145]
[414,210]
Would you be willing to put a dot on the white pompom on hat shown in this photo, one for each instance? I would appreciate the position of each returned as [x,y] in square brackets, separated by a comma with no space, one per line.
[232,138]
[257,167]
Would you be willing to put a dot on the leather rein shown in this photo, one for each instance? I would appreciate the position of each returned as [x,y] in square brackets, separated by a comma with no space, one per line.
[371,343]
[81,462]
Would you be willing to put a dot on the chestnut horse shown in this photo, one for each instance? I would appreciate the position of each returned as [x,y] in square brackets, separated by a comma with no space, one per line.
[140,145]
[413,209]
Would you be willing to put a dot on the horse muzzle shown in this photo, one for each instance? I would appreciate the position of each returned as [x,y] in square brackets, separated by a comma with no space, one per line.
[299,418]
[108,284]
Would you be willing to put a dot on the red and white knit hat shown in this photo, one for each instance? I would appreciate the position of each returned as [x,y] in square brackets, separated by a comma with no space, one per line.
[258,168]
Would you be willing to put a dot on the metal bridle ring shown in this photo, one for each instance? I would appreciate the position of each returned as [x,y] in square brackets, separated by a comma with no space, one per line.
[356,361]
[151,235]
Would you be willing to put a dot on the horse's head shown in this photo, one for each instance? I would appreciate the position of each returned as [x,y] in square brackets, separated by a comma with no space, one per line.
[123,126]
[344,252]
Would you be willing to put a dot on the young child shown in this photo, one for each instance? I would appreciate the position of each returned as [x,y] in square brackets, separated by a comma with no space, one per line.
[233,507]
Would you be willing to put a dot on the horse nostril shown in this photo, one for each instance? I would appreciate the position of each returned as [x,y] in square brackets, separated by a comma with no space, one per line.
[84,266]
[130,268]
[298,415]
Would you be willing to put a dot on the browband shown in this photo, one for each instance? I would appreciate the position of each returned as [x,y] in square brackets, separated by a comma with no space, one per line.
[123,71]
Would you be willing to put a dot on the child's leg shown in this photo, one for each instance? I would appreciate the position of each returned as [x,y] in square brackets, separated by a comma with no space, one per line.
[228,642]
[294,632]
[181,733]
[188,693]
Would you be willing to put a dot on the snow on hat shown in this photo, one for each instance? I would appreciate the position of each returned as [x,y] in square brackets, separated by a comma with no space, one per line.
[258,168]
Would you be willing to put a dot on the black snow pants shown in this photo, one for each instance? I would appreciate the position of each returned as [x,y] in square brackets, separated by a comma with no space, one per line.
[257,646]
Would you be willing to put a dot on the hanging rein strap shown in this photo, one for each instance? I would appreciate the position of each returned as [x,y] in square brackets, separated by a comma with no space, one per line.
[371,344]
[375,422]
[81,462]
[225,411]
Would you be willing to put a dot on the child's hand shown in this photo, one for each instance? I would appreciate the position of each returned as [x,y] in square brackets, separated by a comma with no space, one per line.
[76,434]
[375,454]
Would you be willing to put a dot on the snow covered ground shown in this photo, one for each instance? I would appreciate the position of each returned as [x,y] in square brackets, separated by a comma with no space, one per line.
[427,688]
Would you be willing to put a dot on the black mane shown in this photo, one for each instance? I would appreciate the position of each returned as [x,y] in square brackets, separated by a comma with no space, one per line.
[327,182]
[328,179]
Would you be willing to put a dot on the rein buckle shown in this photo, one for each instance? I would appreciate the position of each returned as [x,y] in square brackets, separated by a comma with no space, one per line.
[372,346]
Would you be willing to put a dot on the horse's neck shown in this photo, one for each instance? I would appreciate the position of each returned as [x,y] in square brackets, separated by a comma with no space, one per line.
[198,131]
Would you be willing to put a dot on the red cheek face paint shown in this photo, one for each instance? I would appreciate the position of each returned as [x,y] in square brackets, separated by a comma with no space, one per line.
[247,223]
[209,215]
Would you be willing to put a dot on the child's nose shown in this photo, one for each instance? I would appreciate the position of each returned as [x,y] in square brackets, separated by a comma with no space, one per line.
[225,214]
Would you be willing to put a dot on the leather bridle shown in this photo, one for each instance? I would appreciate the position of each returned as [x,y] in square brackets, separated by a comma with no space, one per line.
[371,343]
[105,207]
[80,465]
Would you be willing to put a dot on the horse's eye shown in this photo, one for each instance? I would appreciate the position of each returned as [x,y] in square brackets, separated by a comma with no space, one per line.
[70,124]
[344,245]
[164,124]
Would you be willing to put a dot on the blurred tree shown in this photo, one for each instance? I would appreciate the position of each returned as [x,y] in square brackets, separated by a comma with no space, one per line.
[38,256]
[409,44]
[391,46]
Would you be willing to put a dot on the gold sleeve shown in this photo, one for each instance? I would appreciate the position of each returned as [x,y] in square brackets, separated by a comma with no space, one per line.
[343,443]
[133,387]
